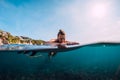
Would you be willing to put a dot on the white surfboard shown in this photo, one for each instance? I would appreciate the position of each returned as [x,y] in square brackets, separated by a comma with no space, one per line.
[25,49]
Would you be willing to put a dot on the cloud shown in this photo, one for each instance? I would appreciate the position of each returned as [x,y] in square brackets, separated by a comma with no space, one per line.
[81,26]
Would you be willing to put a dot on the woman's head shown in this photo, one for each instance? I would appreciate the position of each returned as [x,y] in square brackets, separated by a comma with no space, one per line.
[61,36]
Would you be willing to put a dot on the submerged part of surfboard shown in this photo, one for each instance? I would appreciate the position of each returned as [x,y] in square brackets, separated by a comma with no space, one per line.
[33,49]
[48,48]
[37,48]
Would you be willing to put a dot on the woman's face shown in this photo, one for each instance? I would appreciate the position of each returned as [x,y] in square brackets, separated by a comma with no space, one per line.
[61,38]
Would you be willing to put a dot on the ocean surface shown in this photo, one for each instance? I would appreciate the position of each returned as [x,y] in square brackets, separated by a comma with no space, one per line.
[97,61]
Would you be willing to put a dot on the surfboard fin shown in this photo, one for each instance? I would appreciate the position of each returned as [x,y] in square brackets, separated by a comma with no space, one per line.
[33,53]
[52,53]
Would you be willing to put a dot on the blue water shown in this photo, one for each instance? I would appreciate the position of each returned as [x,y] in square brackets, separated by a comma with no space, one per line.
[100,61]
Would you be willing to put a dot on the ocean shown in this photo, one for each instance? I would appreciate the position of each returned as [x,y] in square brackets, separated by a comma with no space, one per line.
[100,61]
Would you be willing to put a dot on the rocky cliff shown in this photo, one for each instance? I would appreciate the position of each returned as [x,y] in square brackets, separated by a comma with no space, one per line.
[19,39]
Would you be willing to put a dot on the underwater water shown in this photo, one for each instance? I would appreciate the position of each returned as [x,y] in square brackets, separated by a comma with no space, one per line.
[100,61]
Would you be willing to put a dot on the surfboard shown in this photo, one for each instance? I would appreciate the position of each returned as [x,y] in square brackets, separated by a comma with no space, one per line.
[51,49]
[34,49]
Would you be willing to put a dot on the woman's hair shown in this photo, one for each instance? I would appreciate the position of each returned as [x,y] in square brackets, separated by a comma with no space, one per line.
[61,32]
[0,36]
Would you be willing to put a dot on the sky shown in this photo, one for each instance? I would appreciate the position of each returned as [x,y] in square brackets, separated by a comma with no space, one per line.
[82,20]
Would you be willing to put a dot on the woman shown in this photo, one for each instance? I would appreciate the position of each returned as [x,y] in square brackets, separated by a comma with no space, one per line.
[60,37]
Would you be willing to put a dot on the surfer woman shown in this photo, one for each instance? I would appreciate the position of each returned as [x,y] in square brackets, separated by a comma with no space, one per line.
[61,40]
[60,37]
[58,42]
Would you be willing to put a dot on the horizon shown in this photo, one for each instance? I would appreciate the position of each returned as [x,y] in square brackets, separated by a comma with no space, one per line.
[82,20]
